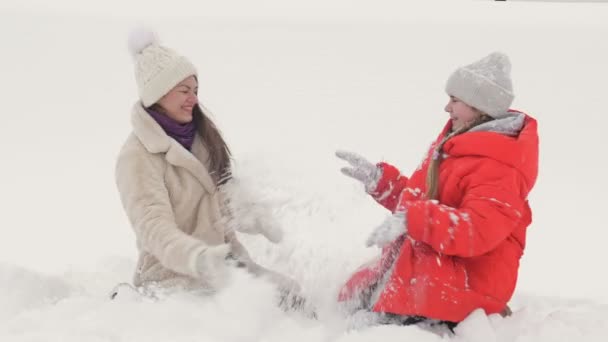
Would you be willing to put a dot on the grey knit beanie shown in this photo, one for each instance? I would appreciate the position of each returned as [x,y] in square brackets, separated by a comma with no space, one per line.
[485,84]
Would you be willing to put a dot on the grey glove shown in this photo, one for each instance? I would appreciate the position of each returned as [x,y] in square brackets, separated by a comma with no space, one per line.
[211,265]
[361,169]
[290,295]
[283,283]
[393,227]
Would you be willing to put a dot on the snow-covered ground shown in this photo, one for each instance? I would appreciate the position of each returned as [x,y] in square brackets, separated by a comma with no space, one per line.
[289,83]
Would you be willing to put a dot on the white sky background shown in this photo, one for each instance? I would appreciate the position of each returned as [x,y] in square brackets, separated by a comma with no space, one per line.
[290,82]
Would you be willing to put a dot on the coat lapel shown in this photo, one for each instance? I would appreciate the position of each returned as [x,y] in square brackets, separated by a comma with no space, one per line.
[155,140]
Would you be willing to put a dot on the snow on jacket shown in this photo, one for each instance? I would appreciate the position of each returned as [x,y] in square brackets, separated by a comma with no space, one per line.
[462,251]
[172,203]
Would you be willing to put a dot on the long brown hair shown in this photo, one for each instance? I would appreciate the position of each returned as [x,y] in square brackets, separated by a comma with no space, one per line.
[219,153]
[432,176]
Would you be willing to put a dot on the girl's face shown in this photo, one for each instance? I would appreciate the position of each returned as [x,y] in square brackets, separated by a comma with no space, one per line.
[180,101]
[461,113]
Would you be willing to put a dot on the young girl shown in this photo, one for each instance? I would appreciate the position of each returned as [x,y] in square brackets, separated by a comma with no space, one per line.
[458,224]
[169,174]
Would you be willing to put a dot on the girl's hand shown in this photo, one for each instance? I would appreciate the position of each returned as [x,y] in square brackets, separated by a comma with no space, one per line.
[360,169]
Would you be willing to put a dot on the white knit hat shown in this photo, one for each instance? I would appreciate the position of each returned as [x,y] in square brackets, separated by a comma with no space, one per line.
[485,84]
[157,69]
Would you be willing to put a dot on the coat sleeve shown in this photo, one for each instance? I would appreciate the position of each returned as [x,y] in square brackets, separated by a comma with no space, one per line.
[389,187]
[145,198]
[490,210]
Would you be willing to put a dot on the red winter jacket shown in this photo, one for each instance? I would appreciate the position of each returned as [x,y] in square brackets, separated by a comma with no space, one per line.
[462,251]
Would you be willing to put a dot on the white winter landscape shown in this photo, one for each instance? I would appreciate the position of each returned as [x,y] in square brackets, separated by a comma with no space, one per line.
[289,82]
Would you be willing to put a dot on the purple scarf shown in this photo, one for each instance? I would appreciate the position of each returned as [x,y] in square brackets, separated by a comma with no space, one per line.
[182,133]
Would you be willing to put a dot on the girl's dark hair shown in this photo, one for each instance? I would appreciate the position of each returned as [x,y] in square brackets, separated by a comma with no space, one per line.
[219,153]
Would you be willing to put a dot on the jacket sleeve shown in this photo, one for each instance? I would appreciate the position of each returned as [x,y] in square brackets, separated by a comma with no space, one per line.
[490,210]
[389,187]
[144,196]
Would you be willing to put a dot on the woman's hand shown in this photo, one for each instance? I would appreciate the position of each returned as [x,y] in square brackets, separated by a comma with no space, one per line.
[211,265]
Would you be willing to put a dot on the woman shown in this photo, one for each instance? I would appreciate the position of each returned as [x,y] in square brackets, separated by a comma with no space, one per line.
[169,174]
[458,225]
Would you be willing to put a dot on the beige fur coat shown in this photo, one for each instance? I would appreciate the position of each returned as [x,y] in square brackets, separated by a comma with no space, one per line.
[172,203]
